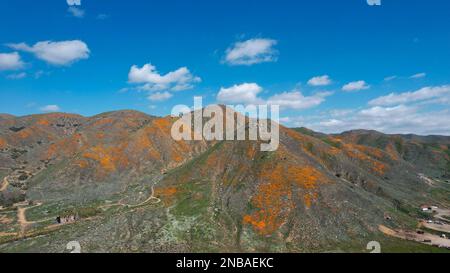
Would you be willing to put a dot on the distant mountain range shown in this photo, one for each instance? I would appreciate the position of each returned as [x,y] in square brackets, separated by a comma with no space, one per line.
[133,188]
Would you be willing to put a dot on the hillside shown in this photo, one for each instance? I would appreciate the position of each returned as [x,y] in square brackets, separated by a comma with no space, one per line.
[133,188]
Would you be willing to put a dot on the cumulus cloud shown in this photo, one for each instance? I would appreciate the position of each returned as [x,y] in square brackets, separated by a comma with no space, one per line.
[246,93]
[355,86]
[399,119]
[297,101]
[50,108]
[56,53]
[320,81]
[152,80]
[10,61]
[422,94]
[159,96]
[418,112]
[76,12]
[251,52]
[418,76]
[386,112]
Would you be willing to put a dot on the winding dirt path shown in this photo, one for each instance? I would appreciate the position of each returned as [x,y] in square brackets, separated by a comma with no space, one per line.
[24,223]
[151,197]
[22,218]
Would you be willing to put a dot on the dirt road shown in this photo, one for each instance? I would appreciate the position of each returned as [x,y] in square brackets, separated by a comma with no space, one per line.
[22,218]
[441,214]
[425,238]
[442,228]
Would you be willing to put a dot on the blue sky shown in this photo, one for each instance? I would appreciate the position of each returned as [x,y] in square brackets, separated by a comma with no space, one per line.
[329,64]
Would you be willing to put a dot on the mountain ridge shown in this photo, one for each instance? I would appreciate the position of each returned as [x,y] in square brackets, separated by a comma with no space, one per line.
[316,190]
[360,131]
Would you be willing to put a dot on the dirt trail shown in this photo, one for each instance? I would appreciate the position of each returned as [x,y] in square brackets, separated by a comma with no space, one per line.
[151,197]
[387,231]
[436,227]
[426,238]
[24,223]
[441,213]
[4,234]
[22,218]
[5,184]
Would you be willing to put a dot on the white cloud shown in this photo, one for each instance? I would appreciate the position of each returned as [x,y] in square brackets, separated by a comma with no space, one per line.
[159,96]
[399,119]
[418,76]
[180,79]
[56,53]
[17,76]
[10,61]
[340,112]
[320,81]
[251,52]
[246,93]
[331,123]
[73,2]
[390,78]
[386,112]
[76,12]
[50,108]
[422,94]
[355,86]
[297,101]
[285,120]
[418,112]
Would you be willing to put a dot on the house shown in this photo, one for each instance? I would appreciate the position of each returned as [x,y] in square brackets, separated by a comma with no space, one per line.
[426,208]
